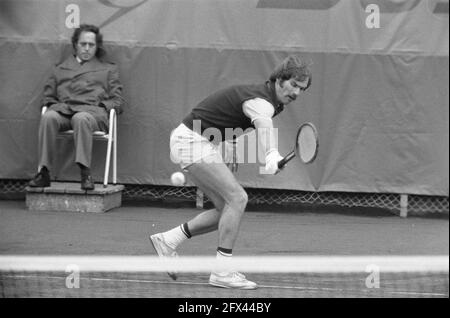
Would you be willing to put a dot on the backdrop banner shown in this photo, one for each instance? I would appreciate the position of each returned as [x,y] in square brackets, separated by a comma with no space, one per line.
[379,94]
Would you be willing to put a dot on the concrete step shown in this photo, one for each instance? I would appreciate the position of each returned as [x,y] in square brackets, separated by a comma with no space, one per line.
[69,197]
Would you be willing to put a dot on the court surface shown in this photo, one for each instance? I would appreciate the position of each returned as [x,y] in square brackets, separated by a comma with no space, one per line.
[124,231]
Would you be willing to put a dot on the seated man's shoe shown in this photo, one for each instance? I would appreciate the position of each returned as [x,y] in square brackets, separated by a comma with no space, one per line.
[41,180]
[87,183]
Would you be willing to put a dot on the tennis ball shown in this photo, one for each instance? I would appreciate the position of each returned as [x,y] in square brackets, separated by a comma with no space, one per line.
[178,178]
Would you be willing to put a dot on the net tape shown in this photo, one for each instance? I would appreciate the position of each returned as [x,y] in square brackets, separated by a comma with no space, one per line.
[253,264]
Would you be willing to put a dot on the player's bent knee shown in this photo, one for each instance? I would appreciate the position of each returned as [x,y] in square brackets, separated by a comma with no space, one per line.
[239,200]
[244,198]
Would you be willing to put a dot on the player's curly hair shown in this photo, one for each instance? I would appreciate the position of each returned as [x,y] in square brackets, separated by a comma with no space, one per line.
[100,53]
[293,67]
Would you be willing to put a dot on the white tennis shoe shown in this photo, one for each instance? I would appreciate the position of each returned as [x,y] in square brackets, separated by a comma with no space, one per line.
[163,250]
[231,280]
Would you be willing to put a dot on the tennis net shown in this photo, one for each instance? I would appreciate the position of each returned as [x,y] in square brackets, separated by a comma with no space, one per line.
[277,276]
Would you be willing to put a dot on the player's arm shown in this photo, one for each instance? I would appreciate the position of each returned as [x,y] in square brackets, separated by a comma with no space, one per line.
[261,112]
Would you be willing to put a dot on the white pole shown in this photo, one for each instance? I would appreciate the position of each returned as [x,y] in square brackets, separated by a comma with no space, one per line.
[403,205]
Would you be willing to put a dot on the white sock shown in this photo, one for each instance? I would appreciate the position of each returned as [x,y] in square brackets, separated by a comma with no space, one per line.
[174,237]
[224,260]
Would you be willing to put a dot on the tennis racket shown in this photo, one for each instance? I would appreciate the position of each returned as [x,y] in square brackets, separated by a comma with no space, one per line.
[306,145]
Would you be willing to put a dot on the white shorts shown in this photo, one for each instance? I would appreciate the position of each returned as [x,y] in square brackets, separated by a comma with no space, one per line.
[188,147]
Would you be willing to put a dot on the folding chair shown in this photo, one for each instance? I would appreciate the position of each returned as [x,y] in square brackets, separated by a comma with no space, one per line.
[110,137]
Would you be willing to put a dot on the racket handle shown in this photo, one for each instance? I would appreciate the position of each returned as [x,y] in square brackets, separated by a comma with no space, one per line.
[286,159]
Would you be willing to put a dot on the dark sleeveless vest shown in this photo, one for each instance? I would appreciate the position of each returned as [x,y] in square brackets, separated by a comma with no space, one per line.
[223,109]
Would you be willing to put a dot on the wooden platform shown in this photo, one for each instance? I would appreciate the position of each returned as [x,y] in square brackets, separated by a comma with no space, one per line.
[68,197]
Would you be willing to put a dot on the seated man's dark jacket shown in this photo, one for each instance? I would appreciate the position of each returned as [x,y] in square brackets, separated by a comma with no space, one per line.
[93,87]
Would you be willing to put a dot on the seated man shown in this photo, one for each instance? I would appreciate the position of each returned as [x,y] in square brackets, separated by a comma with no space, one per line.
[79,95]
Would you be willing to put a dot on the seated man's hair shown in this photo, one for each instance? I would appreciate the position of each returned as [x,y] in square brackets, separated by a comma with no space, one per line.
[98,37]
[292,67]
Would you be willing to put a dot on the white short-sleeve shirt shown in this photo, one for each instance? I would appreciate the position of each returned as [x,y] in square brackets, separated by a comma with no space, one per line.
[258,108]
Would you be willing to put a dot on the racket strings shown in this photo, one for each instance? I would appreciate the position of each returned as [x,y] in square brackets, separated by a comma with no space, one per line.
[307,143]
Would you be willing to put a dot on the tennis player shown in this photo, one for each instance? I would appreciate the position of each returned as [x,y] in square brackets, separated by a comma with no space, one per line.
[240,106]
